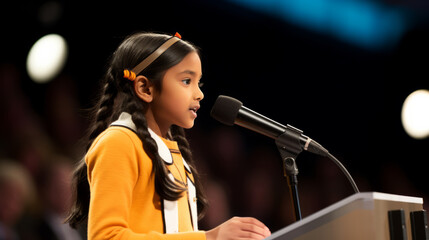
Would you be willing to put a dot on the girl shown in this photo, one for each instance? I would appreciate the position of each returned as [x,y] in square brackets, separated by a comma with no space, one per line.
[142,180]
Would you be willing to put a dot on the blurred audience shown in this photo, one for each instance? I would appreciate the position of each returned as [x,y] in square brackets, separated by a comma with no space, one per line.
[56,199]
[219,210]
[16,194]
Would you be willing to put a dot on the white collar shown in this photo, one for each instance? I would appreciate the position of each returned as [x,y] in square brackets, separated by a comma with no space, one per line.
[125,120]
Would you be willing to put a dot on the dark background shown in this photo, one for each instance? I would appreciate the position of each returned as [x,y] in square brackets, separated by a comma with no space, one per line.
[345,96]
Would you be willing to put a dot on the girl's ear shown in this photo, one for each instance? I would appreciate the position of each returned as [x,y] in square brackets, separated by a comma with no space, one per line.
[144,88]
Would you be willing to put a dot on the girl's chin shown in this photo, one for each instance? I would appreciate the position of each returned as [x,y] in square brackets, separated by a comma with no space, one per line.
[188,125]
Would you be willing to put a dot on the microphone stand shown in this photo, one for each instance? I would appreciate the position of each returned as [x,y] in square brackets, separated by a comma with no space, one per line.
[288,144]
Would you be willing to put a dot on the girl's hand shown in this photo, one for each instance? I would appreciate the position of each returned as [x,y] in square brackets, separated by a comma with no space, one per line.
[239,228]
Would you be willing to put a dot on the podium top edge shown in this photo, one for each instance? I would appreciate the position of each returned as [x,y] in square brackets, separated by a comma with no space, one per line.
[392,197]
[357,200]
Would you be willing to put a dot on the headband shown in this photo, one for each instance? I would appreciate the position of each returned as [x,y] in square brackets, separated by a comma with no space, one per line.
[132,74]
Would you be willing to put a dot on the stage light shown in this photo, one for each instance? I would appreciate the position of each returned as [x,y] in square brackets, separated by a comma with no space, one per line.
[415,114]
[47,58]
[365,23]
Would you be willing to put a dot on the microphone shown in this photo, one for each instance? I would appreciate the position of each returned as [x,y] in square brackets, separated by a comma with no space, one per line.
[230,111]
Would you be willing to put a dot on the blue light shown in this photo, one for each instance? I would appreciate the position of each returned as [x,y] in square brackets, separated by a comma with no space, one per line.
[363,23]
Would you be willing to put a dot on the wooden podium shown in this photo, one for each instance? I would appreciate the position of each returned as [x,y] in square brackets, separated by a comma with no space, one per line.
[367,216]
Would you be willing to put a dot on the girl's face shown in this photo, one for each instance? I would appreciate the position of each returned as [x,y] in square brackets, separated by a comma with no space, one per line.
[180,97]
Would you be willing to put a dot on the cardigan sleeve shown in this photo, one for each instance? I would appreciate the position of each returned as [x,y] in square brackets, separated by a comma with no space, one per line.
[112,174]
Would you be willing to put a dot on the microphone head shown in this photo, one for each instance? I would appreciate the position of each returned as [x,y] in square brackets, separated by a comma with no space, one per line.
[225,109]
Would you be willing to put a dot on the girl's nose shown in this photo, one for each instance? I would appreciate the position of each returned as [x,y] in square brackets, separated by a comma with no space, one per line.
[199,95]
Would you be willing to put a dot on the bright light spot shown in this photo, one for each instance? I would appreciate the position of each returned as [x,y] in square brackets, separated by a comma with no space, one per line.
[415,114]
[46,58]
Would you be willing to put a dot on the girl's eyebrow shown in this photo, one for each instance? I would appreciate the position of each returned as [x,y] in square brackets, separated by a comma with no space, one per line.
[191,73]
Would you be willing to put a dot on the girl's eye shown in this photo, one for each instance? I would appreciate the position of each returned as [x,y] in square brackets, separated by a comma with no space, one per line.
[186,81]
[200,84]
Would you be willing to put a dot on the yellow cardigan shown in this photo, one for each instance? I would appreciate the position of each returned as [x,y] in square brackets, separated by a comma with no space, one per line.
[124,204]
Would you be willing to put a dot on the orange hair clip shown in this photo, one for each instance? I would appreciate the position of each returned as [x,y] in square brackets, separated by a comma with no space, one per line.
[130,75]
[178,35]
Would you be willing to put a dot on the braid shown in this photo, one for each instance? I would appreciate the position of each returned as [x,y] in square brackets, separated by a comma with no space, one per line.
[164,186]
[179,136]
[104,109]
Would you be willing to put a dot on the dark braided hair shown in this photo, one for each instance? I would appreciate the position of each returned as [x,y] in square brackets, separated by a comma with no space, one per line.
[118,96]
[179,136]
